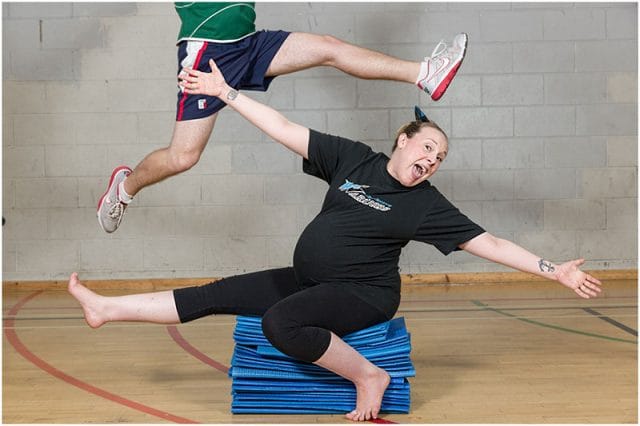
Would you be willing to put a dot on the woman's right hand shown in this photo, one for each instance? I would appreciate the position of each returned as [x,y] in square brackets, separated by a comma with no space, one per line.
[194,82]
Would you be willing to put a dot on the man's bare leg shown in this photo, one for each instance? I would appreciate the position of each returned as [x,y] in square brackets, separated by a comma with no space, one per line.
[304,50]
[370,381]
[187,144]
[157,307]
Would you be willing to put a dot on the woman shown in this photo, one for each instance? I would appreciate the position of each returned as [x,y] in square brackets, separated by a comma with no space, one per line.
[345,274]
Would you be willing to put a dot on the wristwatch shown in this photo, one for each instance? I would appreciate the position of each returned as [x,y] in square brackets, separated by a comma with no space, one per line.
[232,94]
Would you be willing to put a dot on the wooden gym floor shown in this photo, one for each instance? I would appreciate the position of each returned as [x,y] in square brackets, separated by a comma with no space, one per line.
[484,353]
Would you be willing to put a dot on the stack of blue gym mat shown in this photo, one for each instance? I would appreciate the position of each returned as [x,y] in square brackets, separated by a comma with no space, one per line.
[267,381]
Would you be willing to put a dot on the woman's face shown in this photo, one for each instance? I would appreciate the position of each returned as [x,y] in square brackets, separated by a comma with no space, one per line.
[417,158]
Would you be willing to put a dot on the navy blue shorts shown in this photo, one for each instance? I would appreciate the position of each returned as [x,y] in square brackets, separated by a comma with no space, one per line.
[243,64]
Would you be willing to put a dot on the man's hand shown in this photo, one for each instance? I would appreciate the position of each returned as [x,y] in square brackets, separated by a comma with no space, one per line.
[194,82]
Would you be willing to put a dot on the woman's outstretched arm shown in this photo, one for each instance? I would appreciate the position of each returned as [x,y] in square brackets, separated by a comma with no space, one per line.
[277,126]
[510,254]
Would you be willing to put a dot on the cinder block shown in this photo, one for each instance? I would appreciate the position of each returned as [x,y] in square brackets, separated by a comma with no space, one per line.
[65,223]
[443,181]
[578,24]
[493,58]
[545,121]
[90,189]
[8,193]
[216,159]
[24,97]
[400,117]
[464,154]
[263,220]
[545,184]
[381,94]
[482,122]
[575,88]
[519,153]
[607,55]
[483,185]
[464,91]
[359,124]
[104,9]
[154,127]
[470,6]
[623,22]
[9,260]
[141,95]
[242,254]
[329,93]
[21,162]
[263,159]
[305,214]
[233,189]
[7,131]
[75,160]
[232,128]
[557,246]
[123,155]
[141,222]
[173,254]
[280,251]
[111,254]
[44,129]
[179,190]
[106,128]
[622,87]
[24,224]
[155,9]
[511,26]
[77,33]
[386,28]
[127,63]
[610,244]
[609,183]
[294,189]
[315,120]
[217,221]
[562,152]
[435,26]
[513,215]
[39,10]
[608,120]
[622,213]
[141,31]
[341,26]
[574,214]
[46,192]
[48,257]
[20,34]
[76,96]
[512,90]
[622,151]
[548,56]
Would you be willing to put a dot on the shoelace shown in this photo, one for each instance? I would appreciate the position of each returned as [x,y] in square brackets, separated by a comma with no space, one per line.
[435,52]
[116,210]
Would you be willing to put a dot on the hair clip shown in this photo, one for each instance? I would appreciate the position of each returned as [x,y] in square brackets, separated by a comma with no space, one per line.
[420,116]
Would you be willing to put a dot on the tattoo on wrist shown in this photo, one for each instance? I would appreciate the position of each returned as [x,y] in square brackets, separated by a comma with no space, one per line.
[545,266]
[232,94]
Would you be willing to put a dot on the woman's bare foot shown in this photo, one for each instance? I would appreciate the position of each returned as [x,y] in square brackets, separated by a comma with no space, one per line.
[369,396]
[89,301]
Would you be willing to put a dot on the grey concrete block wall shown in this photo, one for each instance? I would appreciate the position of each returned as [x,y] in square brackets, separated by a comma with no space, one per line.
[542,120]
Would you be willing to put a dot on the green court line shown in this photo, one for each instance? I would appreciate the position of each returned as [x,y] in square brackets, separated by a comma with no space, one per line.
[555,327]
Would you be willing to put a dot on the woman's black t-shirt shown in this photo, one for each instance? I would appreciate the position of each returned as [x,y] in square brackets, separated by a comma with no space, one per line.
[367,217]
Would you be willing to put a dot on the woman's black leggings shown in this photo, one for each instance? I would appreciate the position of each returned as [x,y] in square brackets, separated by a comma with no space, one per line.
[297,320]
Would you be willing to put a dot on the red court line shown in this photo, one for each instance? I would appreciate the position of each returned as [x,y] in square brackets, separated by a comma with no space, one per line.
[182,342]
[15,341]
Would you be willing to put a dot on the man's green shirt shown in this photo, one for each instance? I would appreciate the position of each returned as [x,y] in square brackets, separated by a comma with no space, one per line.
[220,22]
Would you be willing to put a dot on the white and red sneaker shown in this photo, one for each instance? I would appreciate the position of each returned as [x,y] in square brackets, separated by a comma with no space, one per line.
[437,71]
[111,206]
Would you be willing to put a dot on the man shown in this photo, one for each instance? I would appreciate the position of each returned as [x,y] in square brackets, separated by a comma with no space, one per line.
[249,60]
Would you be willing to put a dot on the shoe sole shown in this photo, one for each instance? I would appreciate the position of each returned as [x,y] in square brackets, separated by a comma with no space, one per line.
[437,94]
[101,201]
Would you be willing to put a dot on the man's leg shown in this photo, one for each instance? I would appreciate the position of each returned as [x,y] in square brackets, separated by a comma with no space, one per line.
[304,50]
[189,139]
[187,144]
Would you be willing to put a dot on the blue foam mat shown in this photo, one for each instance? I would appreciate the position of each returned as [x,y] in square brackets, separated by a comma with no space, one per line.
[266,381]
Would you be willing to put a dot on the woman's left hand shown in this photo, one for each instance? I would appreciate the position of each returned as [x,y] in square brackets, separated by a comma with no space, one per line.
[570,275]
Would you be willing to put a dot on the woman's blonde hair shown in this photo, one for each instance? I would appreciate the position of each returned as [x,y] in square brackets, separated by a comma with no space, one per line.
[414,127]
